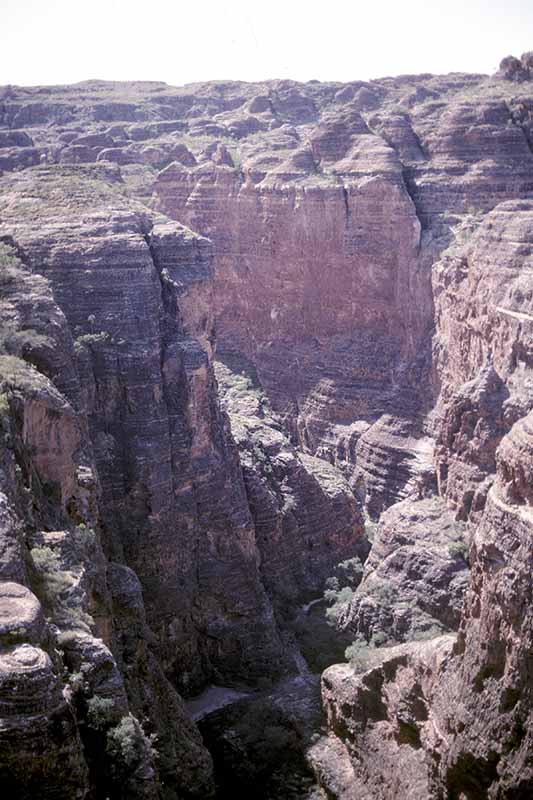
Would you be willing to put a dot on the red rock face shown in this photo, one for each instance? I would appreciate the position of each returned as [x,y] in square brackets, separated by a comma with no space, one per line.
[120,428]
[482,349]
[319,285]
[488,683]
[473,724]
[136,297]
[291,261]
[50,532]
[362,254]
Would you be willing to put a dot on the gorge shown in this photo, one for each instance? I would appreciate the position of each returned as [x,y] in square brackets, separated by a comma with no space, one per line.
[266,398]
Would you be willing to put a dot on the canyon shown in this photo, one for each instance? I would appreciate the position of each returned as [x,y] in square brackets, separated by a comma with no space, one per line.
[266,439]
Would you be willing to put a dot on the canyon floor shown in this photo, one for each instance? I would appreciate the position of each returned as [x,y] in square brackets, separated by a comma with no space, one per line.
[266,439]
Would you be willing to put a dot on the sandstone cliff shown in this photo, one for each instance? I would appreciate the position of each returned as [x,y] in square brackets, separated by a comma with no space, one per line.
[195,418]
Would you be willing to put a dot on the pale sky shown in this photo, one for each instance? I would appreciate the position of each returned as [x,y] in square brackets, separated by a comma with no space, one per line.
[64,41]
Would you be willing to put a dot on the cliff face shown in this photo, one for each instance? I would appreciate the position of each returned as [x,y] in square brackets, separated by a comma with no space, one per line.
[317,281]
[454,719]
[485,468]
[194,418]
[135,293]
[108,381]
[78,674]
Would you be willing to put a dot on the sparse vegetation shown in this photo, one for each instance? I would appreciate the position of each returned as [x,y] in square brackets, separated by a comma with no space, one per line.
[362,655]
[15,340]
[55,580]
[459,549]
[4,410]
[58,586]
[341,587]
[339,602]
[236,158]
[358,653]
[8,260]
[371,527]
[84,537]
[99,712]
[88,339]
[128,746]
[428,633]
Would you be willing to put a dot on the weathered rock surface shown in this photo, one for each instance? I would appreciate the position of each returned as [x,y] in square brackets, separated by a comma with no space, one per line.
[164,455]
[351,227]
[64,697]
[483,354]
[38,736]
[380,720]
[414,579]
[473,737]
[485,702]
[300,504]
[118,427]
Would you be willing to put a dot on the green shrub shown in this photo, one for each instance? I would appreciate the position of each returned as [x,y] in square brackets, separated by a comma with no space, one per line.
[55,586]
[8,258]
[340,587]
[88,339]
[340,600]
[350,572]
[56,581]
[370,529]
[379,638]
[99,712]
[4,413]
[128,745]
[362,653]
[459,549]
[332,584]
[84,539]
[359,654]
[429,633]
[236,158]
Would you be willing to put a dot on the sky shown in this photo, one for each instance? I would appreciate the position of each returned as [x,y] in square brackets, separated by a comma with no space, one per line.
[65,41]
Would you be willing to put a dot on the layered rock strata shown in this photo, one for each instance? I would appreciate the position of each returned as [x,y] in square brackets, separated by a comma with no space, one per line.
[372,274]
[449,718]
[298,502]
[472,735]
[66,674]
[109,388]
[415,579]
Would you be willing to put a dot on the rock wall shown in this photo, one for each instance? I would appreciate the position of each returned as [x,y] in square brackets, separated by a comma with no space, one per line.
[74,691]
[108,335]
[361,268]
[466,733]
[317,282]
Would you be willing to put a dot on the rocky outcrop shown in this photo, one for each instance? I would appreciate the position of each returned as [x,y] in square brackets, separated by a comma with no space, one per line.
[66,721]
[516,69]
[119,439]
[161,444]
[381,723]
[468,733]
[485,701]
[448,717]
[482,349]
[305,515]
[325,332]
[363,252]
[414,580]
